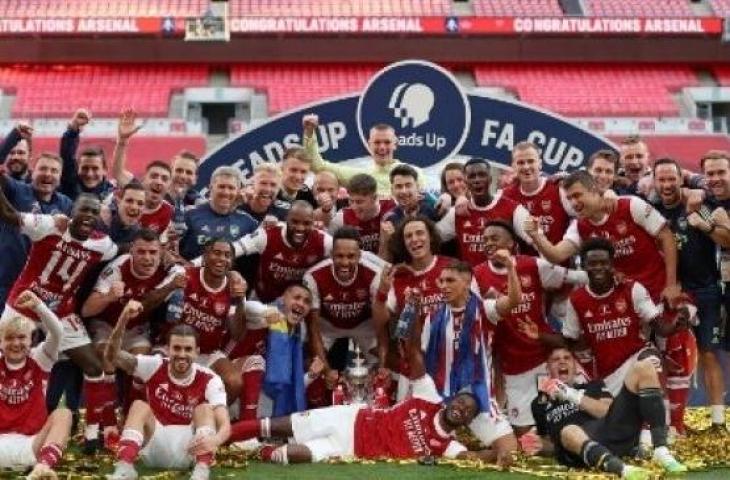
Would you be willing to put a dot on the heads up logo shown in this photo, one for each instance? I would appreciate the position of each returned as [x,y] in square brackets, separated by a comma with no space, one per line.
[424,104]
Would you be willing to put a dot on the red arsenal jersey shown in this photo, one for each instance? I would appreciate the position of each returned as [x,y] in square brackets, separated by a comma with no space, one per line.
[23,393]
[135,288]
[547,204]
[206,310]
[611,324]
[369,229]
[469,229]
[57,264]
[632,228]
[159,219]
[516,352]
[172,400]
[410,429]
[424,280]
[344,304]
[281,264]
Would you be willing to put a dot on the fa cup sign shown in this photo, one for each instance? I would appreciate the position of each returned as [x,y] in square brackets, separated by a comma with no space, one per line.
[435,120]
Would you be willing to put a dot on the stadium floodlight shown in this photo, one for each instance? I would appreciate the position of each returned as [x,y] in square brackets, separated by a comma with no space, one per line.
[212,26]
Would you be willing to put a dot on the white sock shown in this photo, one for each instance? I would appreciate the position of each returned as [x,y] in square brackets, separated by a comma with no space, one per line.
[91,432]
[718,414]
[662,453]
[645,437]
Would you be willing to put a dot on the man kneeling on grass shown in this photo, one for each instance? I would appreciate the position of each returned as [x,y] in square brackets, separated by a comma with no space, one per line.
[584,426]
[185,418]
[422,425]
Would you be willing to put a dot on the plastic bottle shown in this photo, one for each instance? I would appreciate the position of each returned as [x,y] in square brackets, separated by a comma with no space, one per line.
[175,306]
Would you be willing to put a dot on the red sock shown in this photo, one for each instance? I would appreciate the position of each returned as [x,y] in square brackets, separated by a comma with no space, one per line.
[129,446]
[677,403]
[266,451]
[50,454]
[245,429]
[101,397]
[252,378]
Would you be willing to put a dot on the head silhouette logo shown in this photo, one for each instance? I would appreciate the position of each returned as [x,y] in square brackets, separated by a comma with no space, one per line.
[412,104]
[425,106]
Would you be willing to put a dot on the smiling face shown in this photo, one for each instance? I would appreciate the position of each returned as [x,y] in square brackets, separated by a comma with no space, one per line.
[561,365]
[223,193]
[460,411]
[91,170]
[16,338]
[46,176]
[146,257]
[345,257]
[131,206]
[667,182]
[217,259]
[417,240]
[299,224]
[18,158]
[293,173]
[156,183]
[599,267]
[603,172]
[527,166]
[478,179]
[364,206]
[85,216]
[496,238]
[184,173]
[634,159]
[717,175]
[265,186]
[405,191]
[584,202]
[382,144]
[455,182]
[183,351]
[298,302]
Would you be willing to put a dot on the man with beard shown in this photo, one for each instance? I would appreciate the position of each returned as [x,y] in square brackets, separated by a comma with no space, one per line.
[184,419]
[58,263]
[634,226]
[382,143]
[364,213]
[262,205]
[413,250]
[218,217]
[521,359]
[467,224]
[697,238]
[583,425]
[715,166]
[29,436]
[137,276]
[88,174]
[40,196]
[343,289]
[286,251]
[15,152]
[213,305]
[184,175]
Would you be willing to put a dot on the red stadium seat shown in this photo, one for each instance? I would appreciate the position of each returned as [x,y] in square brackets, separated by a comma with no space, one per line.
[48,91]
[638,8]
[523,8]
[586,91]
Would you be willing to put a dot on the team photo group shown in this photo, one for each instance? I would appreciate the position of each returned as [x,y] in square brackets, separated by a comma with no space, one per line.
[315,311]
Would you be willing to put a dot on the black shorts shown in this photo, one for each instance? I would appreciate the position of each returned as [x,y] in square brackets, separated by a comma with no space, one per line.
[618,431]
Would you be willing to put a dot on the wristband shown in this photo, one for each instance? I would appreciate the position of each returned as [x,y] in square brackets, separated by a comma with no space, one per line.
[573,395]
[381,296]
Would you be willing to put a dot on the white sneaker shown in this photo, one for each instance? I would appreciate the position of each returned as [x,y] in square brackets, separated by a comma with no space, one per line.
[41,471]
[200,472]
[123,471]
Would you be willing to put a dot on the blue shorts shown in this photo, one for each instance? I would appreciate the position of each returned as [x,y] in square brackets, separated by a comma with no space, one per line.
[709,303]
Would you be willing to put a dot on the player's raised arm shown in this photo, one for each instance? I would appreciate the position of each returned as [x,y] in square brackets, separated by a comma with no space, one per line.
[29,300]
[381,314]
[113,353]
[505,303]
[125,130]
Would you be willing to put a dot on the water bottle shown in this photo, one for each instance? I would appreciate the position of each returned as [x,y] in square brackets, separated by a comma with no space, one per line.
[178,219]
[175,306]
[403,326]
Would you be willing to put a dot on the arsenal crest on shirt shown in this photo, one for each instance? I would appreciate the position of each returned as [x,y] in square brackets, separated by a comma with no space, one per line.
[621,228]
[220,308]
[621,305]
[526,281]
[546,205]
